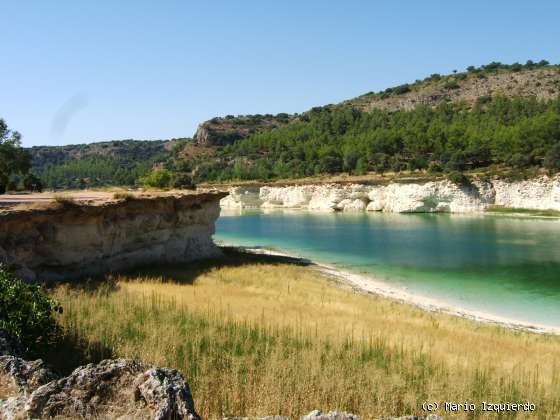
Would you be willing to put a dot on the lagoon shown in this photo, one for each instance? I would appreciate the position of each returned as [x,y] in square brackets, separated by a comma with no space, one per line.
[500,265]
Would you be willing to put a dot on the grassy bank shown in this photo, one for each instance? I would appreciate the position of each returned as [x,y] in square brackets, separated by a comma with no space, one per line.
[257,336]
[514,211]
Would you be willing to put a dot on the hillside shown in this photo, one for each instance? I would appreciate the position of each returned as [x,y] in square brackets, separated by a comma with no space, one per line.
[98,164]
[492,115]
[227,130]
[540,81]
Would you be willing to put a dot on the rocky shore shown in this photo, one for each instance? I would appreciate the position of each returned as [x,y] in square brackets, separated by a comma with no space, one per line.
[415,197]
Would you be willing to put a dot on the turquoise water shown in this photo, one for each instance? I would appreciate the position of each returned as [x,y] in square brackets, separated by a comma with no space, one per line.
[504,266]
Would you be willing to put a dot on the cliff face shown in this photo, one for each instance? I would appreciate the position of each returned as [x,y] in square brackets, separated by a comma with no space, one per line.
[437,196]
[73,240]
[221,131]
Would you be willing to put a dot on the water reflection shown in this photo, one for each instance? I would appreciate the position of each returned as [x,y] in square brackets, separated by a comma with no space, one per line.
[484,262]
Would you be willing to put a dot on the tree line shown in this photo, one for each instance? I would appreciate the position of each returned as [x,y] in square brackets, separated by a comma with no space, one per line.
[518,133]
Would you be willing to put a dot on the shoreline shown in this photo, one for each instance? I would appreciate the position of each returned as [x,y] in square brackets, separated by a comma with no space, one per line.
[370,285]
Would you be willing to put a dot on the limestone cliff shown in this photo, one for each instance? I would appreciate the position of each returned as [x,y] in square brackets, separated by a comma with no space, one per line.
[434,196]
[75,240]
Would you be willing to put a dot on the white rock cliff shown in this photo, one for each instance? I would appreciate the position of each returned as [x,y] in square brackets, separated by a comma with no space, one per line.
[433,196]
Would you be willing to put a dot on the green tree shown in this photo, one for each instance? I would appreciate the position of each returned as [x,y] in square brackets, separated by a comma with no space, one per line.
[32,183]
[14,160]
[158,178]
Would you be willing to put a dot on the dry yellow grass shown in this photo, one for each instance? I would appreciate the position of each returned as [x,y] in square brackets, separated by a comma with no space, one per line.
[259,339]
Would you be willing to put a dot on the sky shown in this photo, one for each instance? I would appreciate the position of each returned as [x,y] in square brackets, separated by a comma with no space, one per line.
[83,71]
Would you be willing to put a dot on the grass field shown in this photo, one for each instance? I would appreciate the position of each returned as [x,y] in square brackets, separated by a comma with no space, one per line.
[259,336]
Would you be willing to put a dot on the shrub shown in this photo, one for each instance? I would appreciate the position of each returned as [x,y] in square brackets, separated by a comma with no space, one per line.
[158,178]
[458,178]
[434,167]
[451,84]
[32,183]
[65,200]
[182,180]
[402,89]
[125,196]
[552,158]
[27,312]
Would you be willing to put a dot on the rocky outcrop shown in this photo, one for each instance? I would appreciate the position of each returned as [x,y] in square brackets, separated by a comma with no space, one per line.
[114,389]
[542,83]
[433,196]
[120,388]
[220,131]
[76,240]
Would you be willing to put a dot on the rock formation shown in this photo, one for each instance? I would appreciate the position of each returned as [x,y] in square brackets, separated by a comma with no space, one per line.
[119,388]
[115,389]
[75,240]
[433,196]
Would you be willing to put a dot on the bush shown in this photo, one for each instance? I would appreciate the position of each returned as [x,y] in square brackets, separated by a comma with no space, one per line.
[182,180]
[32,183]
[552,158]
[434,167]
[124,196]
[158,178]
[65,201]
[402,89]
[27,312]
[458,178]
[451,84]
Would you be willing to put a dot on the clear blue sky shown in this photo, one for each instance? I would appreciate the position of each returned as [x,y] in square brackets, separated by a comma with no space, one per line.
[78,71]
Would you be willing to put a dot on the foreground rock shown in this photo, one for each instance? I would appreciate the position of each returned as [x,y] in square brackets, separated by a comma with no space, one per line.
[434,196]
[120,388]
[9,346]
[75,240]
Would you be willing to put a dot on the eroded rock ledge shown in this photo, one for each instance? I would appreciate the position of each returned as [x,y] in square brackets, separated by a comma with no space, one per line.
[76,240]
[434,196]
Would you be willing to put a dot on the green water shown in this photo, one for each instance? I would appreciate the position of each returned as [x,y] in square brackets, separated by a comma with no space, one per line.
[504,266]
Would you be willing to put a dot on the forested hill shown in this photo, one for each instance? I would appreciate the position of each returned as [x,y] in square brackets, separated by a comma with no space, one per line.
[119,162]
[496,115]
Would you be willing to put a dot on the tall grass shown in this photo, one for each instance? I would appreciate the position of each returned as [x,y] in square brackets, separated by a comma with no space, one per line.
[262,339]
